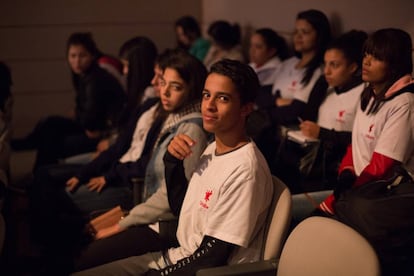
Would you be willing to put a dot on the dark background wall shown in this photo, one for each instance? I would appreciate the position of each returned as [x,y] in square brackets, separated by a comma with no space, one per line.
[33,34]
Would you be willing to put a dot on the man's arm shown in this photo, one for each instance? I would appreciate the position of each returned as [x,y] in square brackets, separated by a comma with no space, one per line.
[176,182]
[212,252]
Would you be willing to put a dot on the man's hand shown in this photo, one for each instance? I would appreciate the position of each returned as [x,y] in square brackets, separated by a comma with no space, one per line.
[72,184]
[310,129]
[180,146]
[96,184]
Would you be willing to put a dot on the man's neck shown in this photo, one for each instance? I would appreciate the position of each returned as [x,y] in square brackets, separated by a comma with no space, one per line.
[227,143]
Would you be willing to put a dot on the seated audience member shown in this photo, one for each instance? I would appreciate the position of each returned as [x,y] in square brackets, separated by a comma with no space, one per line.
[137,235]
[383,132]
[113,66]
[189,37]
[333,127]
[222,216]
[295,80]
[99,100]
[298,75]
[138,56]
[105,182]
[267,51]
[225,43]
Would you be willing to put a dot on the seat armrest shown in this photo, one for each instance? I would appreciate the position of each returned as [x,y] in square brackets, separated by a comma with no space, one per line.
[262,268]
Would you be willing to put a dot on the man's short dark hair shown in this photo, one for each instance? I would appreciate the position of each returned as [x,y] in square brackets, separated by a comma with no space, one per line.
[243,76]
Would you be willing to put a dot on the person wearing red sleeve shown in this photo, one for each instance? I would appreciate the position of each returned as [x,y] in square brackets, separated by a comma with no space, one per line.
[383,132]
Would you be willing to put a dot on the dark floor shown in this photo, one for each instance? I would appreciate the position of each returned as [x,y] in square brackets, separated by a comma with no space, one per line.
[19,254]
[17,244]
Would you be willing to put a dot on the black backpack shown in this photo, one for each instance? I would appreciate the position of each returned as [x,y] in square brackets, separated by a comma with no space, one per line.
[383,212]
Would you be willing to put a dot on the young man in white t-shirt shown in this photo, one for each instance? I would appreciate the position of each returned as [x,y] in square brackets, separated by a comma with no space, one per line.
[223,211]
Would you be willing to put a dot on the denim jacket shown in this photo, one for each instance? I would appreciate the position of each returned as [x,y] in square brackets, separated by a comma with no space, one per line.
[155,201]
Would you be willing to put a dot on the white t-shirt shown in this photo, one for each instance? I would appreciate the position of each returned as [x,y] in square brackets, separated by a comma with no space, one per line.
[267,72]
[144,124]
[288,81]
[389,132]
[228,199]
[338,110]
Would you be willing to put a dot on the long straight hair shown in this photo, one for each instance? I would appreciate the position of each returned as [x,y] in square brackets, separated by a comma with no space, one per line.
[394,47]
[140,52]
[321,24]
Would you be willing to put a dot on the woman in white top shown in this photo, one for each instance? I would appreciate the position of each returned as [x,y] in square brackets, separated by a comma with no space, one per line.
[336,114]
[298,74]
[334,119]
[382,140]
[295,80]
[267,51]
[383,132]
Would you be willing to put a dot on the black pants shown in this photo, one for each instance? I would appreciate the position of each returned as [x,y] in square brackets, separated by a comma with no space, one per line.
[57,226]
[133,241]
[57,137]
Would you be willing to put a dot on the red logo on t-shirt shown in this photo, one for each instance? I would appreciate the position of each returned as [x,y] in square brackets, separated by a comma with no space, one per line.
[341,114]
[208,194]
[206,198]
[369,136]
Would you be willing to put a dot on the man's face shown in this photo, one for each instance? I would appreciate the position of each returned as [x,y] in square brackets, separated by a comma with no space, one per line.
[223,113]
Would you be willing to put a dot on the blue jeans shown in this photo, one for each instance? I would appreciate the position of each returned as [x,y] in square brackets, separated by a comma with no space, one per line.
[111,196]
[81,159]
